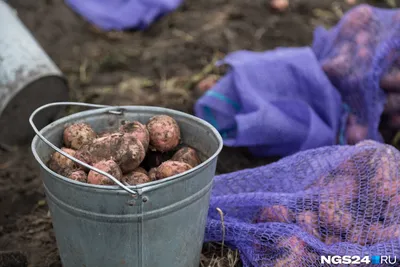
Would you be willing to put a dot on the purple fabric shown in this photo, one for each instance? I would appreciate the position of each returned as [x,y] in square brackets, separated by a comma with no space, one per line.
[122,14]
[355,54]
[292,99]
[338,201]
[276,102]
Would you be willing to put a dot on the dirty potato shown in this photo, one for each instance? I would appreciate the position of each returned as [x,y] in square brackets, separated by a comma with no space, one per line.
[187,155]
[108,166]
[276,213]
[391,213]
[171,168]
[78,134]
[137,130]
[335,217]
[124,149]
[135,178]
[164,133]
[61,164]
[358,235]
[79,176]
[308,221]
[385,183]
[140,169]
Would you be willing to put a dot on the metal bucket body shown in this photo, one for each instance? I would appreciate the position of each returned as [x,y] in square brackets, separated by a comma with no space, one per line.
[28,79]
[163,226]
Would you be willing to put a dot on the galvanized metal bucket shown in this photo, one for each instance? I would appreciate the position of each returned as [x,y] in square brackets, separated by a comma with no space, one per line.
[159,224]
[28,80]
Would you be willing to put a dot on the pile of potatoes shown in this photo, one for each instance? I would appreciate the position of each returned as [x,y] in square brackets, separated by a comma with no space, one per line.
[133,154]
[358,202]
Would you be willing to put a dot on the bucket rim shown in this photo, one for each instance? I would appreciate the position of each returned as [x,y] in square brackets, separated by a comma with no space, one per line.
[129,108]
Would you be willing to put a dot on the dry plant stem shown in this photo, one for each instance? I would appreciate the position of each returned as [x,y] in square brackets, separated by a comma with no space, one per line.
[221,214]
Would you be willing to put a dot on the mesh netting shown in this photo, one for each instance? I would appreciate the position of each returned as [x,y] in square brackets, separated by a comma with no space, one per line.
[360,56]
[337,200]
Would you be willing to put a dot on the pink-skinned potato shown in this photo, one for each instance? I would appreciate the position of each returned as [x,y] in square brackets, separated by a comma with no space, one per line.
[171,168]
[61,164]
[137,130]
[355,132]
[338,66]
[164,133]
[135,178]
[125,150]
[78,175]
[334,216]
[108,166]
[356,20]
[188,155]
[276,213]
[391,213]
[78,134]
[308,221]
[141,170]
[385,183]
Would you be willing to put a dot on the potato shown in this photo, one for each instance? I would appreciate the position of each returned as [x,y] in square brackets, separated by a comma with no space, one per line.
[388,233]
[154,159]
[84,156]
[153,174]
[293,244]
[61,164]
[137,130]
[391,81]
[108,166]
[276,213]
[135,178]
[140,169]
[363,38]
[358,235]
[79,176]
[344,187]
[357,19]
[334,217]
[207,83]
[395,121]
[385,183]
[391,213]
[164,133]
[308,221]
[279,5]
[297,253]
[332,239]
[124,149]
[78,134]
[355,132]
[187,155]
[171,168]
[338,66]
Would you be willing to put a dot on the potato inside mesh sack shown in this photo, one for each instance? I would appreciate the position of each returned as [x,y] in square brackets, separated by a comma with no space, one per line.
[336,200]
[361,57]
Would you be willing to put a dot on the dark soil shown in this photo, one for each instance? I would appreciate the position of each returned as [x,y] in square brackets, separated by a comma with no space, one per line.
[159,66]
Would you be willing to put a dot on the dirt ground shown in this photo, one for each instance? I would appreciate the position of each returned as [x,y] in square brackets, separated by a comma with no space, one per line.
[159,66]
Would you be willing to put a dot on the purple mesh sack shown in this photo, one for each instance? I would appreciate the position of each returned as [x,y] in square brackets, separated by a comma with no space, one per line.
[336,200]
[360,56]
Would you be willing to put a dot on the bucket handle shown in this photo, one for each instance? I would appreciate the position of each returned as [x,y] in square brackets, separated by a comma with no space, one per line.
[111,109]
